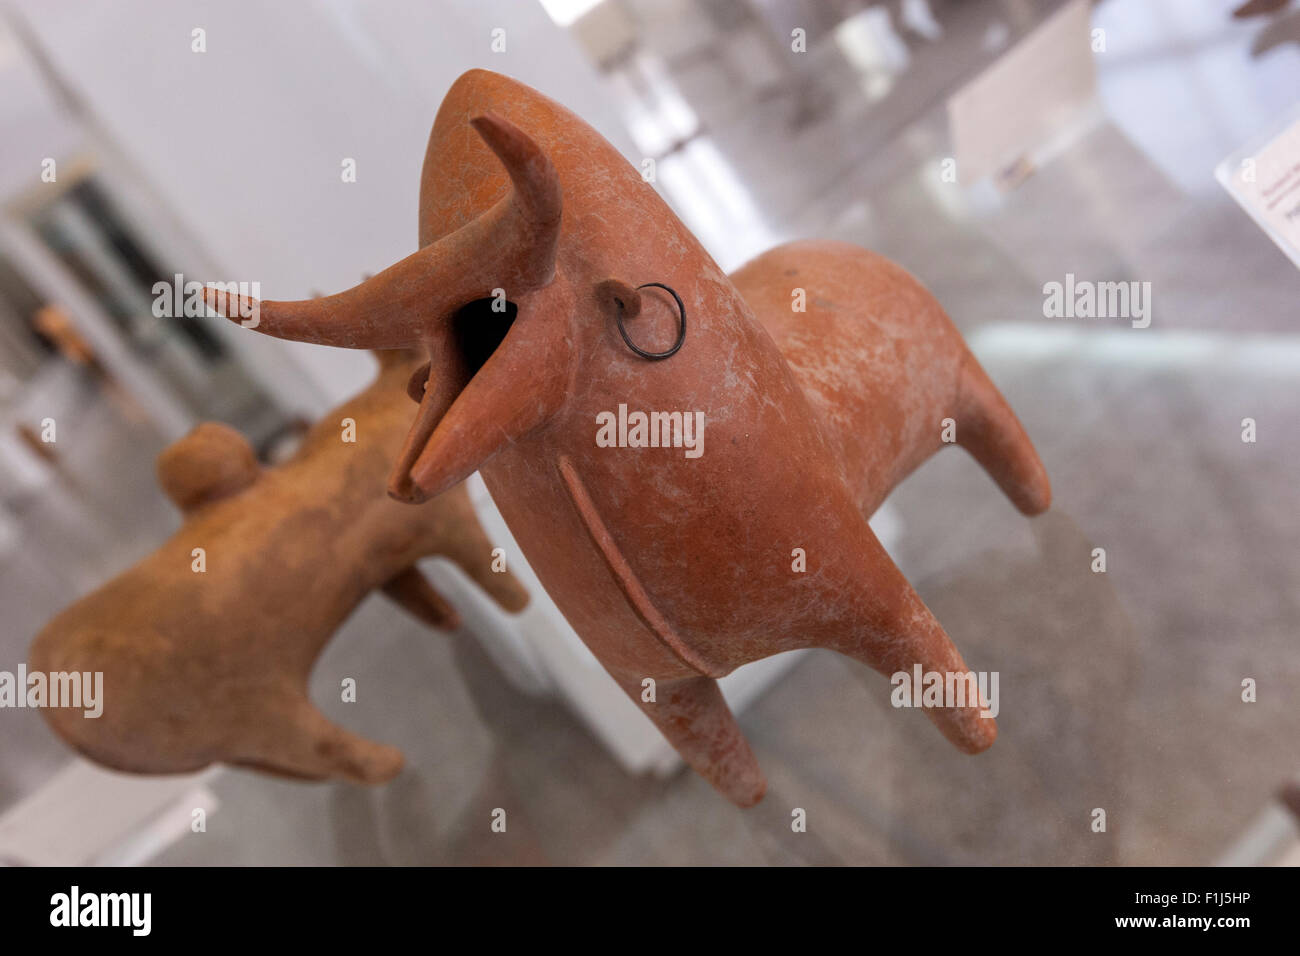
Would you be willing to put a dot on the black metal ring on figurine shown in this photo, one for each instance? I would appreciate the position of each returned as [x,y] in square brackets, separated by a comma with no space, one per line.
[681,334]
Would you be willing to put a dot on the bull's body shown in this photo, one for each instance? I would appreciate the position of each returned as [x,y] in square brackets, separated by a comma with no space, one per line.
[669,567]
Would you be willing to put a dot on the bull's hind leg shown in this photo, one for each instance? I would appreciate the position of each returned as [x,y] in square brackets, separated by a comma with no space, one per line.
[990,431]
[877,618]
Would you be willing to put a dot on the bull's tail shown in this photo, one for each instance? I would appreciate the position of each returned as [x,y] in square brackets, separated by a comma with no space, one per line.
[990,431]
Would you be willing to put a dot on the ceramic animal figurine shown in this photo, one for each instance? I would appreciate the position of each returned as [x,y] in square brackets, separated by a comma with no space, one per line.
[1254,8]
[210,665]
[676,560]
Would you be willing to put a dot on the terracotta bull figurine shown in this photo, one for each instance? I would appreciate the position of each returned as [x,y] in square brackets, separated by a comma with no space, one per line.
[212,665]
[676,561]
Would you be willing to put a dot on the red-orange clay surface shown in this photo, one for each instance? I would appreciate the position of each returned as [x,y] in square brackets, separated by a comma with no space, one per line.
[672,567]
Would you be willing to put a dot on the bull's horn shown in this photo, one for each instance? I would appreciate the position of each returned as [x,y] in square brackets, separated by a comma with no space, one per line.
[510,246]
[537,193]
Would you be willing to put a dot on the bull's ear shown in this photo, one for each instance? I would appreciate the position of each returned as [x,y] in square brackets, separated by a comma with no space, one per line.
[615,295]
[211,462]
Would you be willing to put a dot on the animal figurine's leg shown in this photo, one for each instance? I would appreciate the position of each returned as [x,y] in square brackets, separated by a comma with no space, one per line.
[292,738]
[990,431]
[468,546]
[881,621]
[692,713]
[411,590]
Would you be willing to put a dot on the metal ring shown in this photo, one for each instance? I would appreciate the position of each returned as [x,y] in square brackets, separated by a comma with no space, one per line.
[681,334]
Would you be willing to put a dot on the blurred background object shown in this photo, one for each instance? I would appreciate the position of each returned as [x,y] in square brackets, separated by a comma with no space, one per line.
[147,139]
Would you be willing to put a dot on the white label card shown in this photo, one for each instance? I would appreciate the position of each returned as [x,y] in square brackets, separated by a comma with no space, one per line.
[1264,177]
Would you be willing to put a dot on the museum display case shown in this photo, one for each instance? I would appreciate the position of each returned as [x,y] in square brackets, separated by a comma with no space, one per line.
[418,417]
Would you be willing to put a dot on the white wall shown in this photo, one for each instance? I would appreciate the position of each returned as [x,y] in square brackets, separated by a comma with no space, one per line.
[245,141]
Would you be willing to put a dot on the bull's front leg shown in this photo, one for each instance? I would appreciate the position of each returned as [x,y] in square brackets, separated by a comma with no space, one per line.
[693,715]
